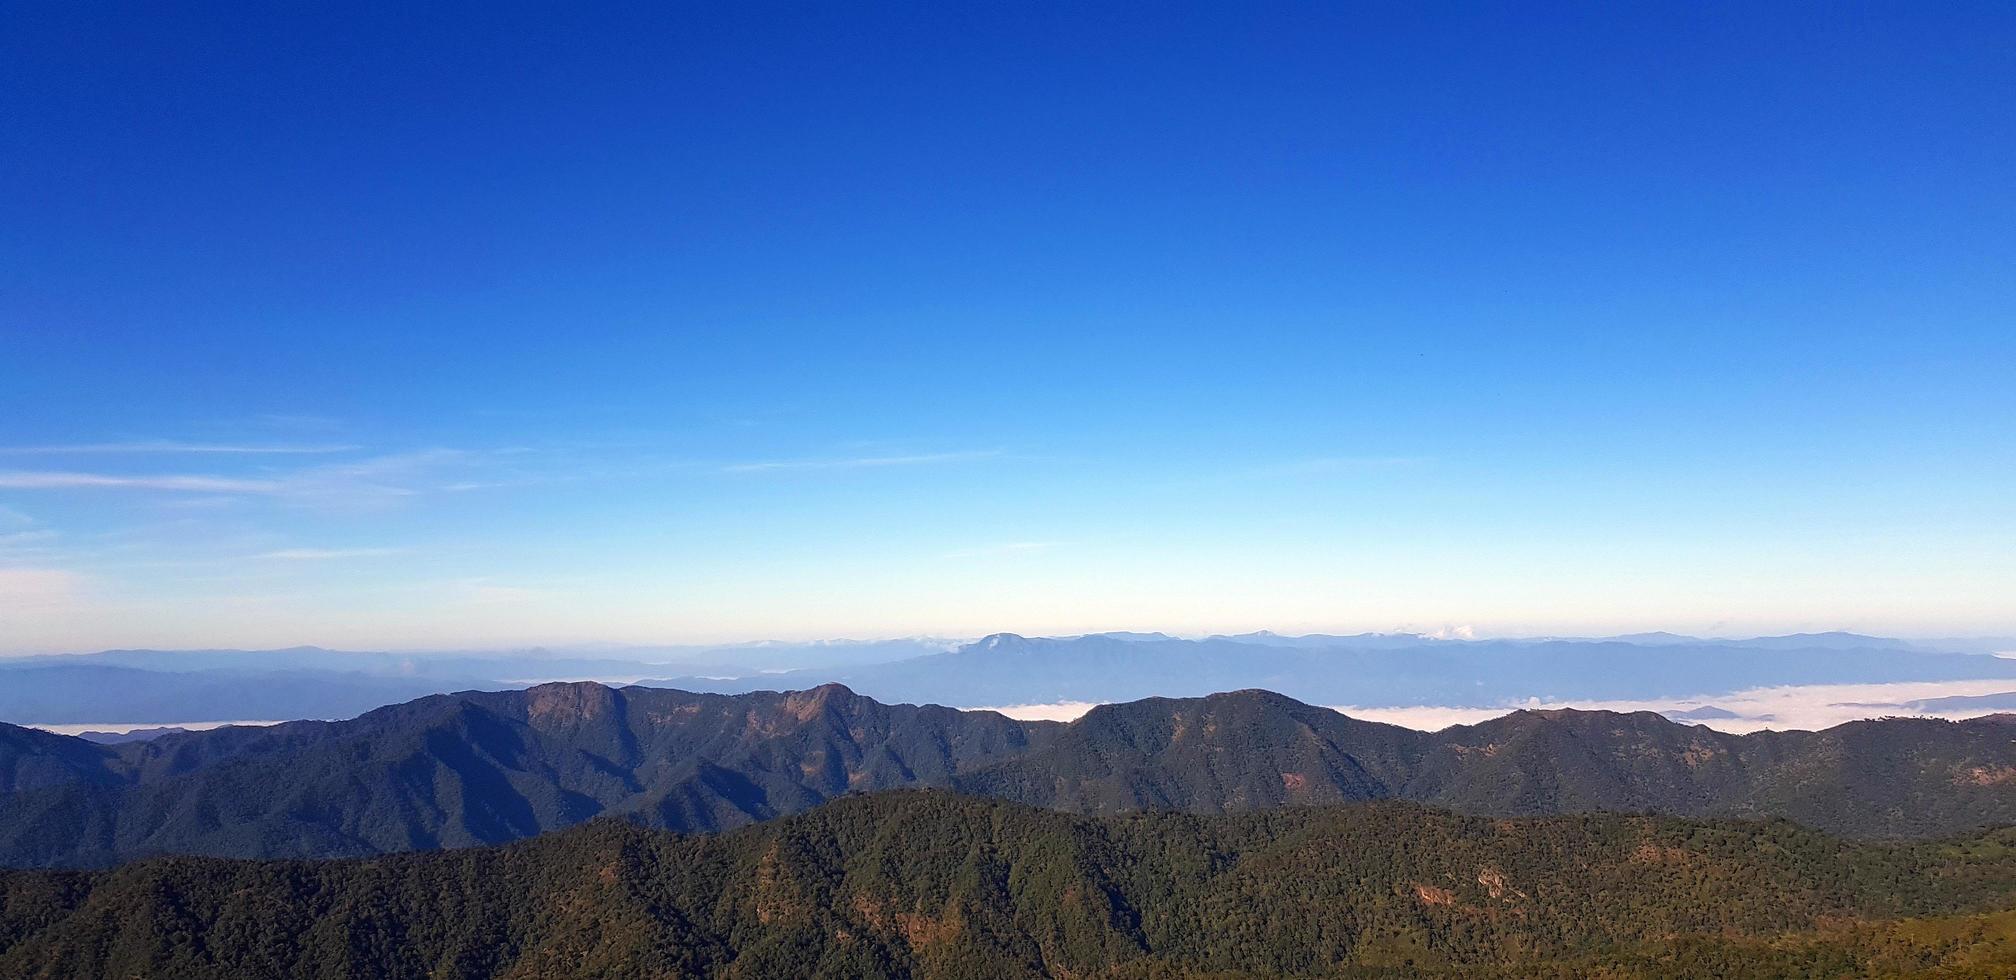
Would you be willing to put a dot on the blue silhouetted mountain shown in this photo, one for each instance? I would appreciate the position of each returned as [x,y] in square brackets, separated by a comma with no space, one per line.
[152,687]
[1375,669]
[489,767]
[1966,704]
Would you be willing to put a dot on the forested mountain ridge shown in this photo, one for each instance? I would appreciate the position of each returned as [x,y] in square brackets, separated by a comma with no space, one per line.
[488,767]
[1247,749]
[491,767]
[929,884]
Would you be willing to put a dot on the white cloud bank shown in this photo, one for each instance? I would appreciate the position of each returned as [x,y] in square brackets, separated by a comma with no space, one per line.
[1803,707]
[1060,711]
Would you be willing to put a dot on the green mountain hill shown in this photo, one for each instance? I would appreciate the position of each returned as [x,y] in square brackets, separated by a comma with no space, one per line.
[941,886]
[492,767]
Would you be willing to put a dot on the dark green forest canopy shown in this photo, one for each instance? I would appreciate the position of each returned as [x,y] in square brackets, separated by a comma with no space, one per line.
[492,767]
[938,885]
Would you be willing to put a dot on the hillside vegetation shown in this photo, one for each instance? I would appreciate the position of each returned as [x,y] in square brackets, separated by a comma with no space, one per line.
[929,884]
[492,767]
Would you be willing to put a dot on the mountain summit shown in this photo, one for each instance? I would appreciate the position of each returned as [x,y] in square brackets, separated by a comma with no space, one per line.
[488,767]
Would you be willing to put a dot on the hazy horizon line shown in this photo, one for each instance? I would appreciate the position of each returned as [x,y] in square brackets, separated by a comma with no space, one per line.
[591,647]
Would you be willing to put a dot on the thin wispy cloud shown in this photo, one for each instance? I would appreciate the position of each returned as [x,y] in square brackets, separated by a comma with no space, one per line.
[393,475]
[204,502]
[170,446]
[363,481]
[37,543]
[486,592]
[1006,548]
[22,588]
[16,538]
[1207,473]
[859,462]
[1317,465]
[31,480]
[327,554]
[282,420]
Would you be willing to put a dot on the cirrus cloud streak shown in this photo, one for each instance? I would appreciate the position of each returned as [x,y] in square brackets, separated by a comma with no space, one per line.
[60,480]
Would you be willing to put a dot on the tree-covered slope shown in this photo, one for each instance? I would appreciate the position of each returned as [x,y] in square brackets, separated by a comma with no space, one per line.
[1897,777]
[935,885]
[1237,751]
[1248,749]
[490,767]
[31,759]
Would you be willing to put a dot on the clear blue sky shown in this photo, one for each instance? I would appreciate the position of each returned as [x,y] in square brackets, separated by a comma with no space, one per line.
[733,320]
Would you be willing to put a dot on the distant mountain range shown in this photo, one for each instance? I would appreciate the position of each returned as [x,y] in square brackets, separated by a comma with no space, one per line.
[185,686]
[155,688]
[489,767]
[133,735]
[1374,669]
[94,693]
[934,885]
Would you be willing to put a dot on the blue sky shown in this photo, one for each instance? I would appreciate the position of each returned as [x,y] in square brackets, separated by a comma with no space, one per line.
[504,325]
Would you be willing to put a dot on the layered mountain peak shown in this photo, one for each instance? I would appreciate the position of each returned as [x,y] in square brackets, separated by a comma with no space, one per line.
[809,704]
[1248,704]
[569,703]
[1250,695]
[486,767]
[1620,727]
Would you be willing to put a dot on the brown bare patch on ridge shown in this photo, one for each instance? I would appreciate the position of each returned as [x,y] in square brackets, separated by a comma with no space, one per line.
[922,930]
[1493,881]
[559,704]
[669,717]
[1431,895]
[871,911]
[916,928]
[807,705]
[773,893]
[1696,755]
[1294,782]
[1985,776]
[1651,853]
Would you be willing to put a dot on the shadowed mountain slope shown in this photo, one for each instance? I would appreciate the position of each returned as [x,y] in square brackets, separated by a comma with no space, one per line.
[489,767]
[481,767]
[940,886]
[1235,751]
[1895,777]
